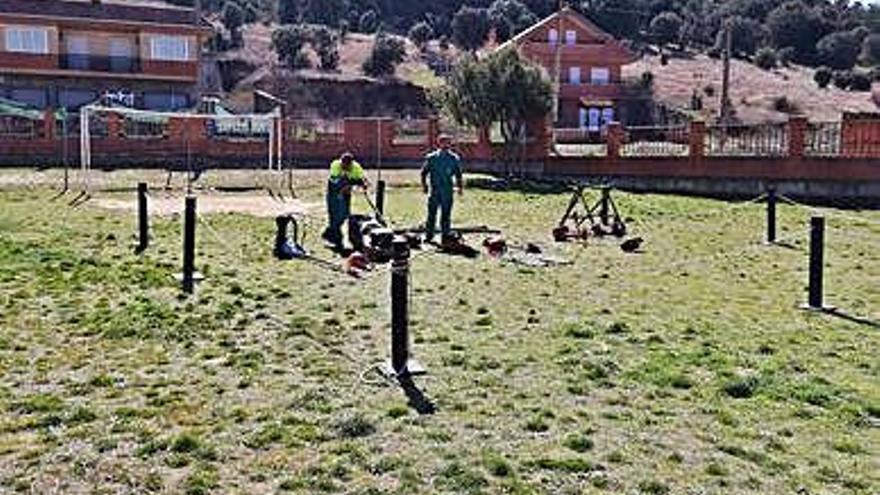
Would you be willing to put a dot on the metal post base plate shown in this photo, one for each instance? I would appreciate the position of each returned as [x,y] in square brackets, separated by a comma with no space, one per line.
[822,309]
[413,368]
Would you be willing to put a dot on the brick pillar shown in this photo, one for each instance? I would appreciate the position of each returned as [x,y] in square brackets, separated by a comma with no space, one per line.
[433,131]
[697,136]
[797,136]
[484,144]
[614,139]
[49,124]
[114,126]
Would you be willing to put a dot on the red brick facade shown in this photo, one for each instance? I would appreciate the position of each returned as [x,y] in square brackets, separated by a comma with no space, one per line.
[152,53]
[587,62]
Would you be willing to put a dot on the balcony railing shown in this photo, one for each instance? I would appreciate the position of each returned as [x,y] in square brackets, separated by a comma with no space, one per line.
[100,63]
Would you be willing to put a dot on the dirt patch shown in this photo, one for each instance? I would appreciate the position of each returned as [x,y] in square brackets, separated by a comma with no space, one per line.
[256,205]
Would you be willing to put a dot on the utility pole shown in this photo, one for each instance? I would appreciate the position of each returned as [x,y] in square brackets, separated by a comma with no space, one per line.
[726,106]
[557,67]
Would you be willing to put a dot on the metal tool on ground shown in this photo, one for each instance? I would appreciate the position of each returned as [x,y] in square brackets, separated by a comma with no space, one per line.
[601,219]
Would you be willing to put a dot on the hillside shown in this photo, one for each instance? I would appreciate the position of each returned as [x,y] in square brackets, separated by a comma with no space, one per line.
[754,91]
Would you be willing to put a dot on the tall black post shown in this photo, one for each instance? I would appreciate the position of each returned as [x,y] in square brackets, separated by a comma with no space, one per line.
[143,218]
[401,365]
[817,255]
[189,245]
[380,197]
[604,208]
[771,214]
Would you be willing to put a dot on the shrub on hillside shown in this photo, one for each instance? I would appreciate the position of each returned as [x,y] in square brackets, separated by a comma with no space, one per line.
[822,77]
[420,34]
[842,78]
[388,52]
[288,42]
[860,81]
[665,28]
[766,58]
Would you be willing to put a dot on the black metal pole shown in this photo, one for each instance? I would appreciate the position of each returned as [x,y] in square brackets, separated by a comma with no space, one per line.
[604,208]
[771,214]
[143,218]
[189,245]
[400,306]
[380,197]
[817,254]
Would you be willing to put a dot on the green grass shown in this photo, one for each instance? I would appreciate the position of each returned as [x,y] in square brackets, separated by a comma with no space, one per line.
[685,369]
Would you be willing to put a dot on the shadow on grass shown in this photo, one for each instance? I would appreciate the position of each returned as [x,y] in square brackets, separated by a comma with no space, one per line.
[417,399]
[853,319]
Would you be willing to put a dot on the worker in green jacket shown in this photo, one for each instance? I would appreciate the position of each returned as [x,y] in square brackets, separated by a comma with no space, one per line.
[345,174]
[441,166]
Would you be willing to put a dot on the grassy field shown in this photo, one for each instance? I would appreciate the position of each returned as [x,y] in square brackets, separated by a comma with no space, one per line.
[685,369]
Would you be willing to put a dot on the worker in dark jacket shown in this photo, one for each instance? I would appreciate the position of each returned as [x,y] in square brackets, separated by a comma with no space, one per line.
[345,174]
[441,166]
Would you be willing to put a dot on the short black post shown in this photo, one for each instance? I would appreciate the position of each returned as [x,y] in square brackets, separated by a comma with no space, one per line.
[189,245]
[380,197]
[401,365]
[817,255]
[771,214]
[143,218]
[604,208]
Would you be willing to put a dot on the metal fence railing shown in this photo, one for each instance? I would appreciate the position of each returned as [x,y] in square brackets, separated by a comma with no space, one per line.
[823,139]
[313,131]
[747,140]
[666,141]
[411,132]
[14,127]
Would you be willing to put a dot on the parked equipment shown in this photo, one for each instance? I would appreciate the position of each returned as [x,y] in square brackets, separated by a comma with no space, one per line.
[599,220]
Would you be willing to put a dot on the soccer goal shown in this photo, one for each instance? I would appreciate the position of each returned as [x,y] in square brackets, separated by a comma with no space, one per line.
[182,141]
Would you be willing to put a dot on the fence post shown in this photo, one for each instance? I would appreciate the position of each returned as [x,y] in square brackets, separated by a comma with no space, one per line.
[143,218]
[400,364]
[189,245]
[697,140]
[614,140]
[797,136]
[49,124]
[380,197]
[817,261]
[771,214]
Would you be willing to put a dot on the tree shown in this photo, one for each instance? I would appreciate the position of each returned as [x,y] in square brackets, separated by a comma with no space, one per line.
[871,48]
[509,18]
[289,11]
[368,22]
[766,58]
[822,77]
[746,36]
[500,89]
[233,19]
[470,28]
[420,34]
[860,82]
[388,52]
[839,50]
[288,42]
[326,45]
[665,28]
[795,25]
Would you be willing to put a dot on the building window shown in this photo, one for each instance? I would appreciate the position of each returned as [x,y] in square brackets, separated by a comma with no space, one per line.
[24,39]
[553,37]
[169,48]
[571,38]
[600,76]
[574,75]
